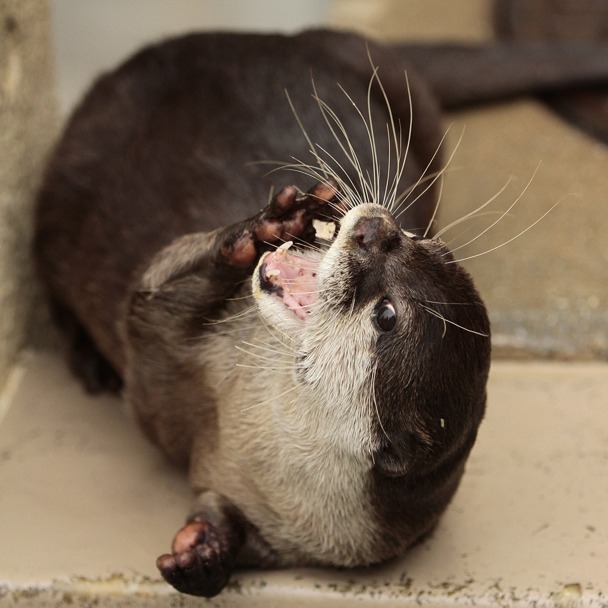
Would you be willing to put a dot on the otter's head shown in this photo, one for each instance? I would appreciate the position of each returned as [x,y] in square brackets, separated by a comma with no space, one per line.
[391,337]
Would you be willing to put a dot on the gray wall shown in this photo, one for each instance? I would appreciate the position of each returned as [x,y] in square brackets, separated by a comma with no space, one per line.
[27,127]
[93,35]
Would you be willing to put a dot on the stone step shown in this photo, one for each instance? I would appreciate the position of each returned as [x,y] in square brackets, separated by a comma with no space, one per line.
[86,505]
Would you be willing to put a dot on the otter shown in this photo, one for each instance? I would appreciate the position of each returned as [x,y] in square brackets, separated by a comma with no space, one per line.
[322,390]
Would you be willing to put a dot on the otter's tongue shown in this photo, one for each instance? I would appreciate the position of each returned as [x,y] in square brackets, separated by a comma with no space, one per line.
[292,278]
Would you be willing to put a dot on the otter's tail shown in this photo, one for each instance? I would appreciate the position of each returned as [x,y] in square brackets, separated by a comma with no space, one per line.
[461,75]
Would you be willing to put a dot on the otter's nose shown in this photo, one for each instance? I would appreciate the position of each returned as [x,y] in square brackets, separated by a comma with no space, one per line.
[378,232]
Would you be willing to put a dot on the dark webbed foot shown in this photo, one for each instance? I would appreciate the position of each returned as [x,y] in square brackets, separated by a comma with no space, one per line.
[85,360]
[91,367]
[287,217]
[202,560]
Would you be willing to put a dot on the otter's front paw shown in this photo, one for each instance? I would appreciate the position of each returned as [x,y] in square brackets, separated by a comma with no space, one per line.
[287,217]
[201,562]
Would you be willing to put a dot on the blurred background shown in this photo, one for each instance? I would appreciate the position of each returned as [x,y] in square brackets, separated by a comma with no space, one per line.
[91,36]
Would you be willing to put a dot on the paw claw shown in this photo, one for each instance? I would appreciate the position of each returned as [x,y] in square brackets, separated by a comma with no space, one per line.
[288,216]
[200,563]
[282,201]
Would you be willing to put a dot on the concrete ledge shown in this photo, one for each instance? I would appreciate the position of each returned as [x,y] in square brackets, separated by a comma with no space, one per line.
[86,505]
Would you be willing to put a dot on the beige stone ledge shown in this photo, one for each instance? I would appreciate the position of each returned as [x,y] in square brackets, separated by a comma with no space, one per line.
[86,505]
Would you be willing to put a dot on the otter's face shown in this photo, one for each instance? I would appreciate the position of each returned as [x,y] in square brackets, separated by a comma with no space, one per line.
[391,336]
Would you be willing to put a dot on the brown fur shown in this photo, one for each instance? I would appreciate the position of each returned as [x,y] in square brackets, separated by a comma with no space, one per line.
[149,230]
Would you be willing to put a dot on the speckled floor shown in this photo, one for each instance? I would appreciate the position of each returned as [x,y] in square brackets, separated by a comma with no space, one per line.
[87,505]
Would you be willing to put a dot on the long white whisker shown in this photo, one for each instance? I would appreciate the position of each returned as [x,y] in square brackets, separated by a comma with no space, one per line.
[437,314]
[470,257]
[475,211]
[502,215]
[263,347]
[371,186]
[346,147]
[400,154]
[398,212]
[377,410]
[304,132]
[250,310]
[439,195]
[251,407]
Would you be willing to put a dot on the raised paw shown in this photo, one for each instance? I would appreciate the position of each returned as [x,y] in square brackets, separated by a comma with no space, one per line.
[317,202]
[288,216]
[201,560]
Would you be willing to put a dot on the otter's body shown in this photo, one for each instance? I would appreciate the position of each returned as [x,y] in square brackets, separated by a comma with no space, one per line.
[329,423]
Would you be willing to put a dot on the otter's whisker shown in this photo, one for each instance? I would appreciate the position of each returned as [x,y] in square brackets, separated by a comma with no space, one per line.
[350,186]
[542,217]
[311,171]
[344,142]
[239,315]
[468,229]
[304,132]
[398,211]
[282,335]
[423,180]
[390,193]
[304,246]
[372,137]
[246,296]
[275,350]
[437,314]
[267,348]
[439,195]
[409,134]
[299,243]
[269,368]
[504,214]
[393,178]
[369,128]
[400,154]
[375,402]
[475,212]
[449,303]
[260,403]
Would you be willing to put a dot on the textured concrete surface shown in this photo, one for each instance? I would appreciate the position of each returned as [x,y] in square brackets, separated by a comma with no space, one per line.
[429,20]
[547,292]
[87,505]
[27,127]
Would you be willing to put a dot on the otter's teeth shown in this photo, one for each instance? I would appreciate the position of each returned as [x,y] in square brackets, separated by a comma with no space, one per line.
[284,247]
[273,273]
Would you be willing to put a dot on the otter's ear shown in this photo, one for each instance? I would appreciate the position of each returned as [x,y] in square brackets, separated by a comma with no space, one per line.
[395,456]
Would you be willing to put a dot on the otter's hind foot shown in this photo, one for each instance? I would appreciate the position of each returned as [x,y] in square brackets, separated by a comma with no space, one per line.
[87,364]
[202,560]
[85,361]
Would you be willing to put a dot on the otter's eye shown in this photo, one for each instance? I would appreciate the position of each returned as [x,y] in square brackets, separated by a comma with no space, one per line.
[385,315]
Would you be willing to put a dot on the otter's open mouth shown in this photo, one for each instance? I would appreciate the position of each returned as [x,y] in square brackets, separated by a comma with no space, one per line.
[292,278]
